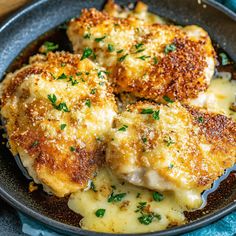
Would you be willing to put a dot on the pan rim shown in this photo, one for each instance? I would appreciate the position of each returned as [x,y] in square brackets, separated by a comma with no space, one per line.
[66,228]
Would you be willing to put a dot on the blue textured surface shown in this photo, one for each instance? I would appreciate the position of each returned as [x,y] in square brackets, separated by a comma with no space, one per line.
[223,227]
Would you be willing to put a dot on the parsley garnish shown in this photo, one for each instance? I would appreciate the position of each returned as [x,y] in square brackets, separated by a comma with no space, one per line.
[100,75]
[138,45]
[50,46]
[62,76]
[140,50]
[138,195]
[146,218]
[110,48]
[171,166]
[169,141]
[72,149]
[93,91]
[155,114]
[87,36]
[78,73]
[92,186]
[143,57]
[122,58]
[116,197]
[63,64]
[123,128]
[100,39]
[87,53]
[35,143]
[144,139]
[88,103]
[147,111]
[224,59]
[155,60]
[167,99]
[73,81]
[100,212]
[61,106]
[62,126]
[157,197]
[169,48]
[200,119]
[120,51]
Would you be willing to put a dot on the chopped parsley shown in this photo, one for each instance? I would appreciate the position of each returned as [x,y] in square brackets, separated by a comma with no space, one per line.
[78,73]
[100,212]
[93,91]
[35,143]
[61,106]
[147,111]
[110,48]
[50,46]
[155,60]
[143,57]
[62,126]
[167,99]
[120,51]
[224,59]
[140,50]
[138,45]
[87,36]
[63,64]
[171,166]
[138,195]
[100,74]
[157,196]
[155,114]
[88,103]
[144,139]
[72,149]
[169,141]
[116,197]
[200,119]
[169,48]
[123,128]
[93,187]
[101,83]
[73,81]
[146,217]
[122,58]
[62,76]
[100,39]
[87,53]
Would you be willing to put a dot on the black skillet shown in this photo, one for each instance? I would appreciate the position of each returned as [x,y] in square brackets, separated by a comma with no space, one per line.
[44,15]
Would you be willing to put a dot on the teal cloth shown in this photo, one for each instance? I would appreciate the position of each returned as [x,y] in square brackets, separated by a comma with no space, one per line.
[223,227]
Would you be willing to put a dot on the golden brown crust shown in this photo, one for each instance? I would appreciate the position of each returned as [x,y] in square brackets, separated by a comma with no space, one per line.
[61,146]
[148,71]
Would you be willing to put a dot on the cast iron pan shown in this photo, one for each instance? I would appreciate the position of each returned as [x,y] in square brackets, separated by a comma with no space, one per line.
[43,16]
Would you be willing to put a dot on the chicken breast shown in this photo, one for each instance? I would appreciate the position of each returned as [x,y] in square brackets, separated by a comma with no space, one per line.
[58,111]
[172,148]
[150,60]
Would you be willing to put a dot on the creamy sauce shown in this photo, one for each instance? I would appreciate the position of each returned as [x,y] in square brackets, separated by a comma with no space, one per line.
[120,217]
[219,96]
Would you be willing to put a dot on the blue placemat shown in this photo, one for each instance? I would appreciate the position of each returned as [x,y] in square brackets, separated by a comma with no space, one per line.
[223,227]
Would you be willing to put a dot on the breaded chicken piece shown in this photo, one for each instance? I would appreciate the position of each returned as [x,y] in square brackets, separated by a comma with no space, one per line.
[172,148]
[148,60]
[58,111]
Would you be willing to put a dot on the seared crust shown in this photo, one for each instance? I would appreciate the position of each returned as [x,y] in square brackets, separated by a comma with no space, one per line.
[182,149]
[147,69]
[60,142]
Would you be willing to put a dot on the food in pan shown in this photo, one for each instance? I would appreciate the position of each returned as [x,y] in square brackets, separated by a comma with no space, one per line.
[149,60]
[133,125]
[58,112]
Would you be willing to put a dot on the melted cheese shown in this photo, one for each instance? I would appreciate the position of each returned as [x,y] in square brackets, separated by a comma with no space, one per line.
[120,217]
[219,96]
